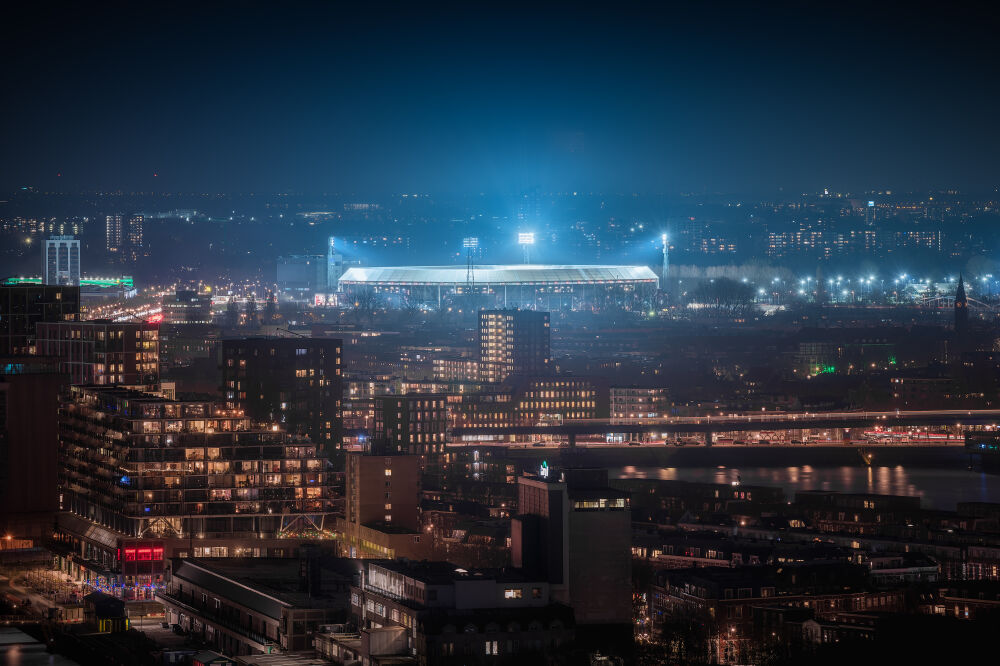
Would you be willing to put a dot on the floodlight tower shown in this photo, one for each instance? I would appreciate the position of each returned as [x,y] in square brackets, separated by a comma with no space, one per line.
[666,262]
[470,243]
[526,239]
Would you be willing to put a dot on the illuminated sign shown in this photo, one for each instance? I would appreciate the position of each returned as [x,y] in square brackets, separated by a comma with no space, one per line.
[543,471]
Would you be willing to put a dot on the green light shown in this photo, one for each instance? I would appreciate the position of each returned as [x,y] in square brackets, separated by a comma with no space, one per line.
[123,281]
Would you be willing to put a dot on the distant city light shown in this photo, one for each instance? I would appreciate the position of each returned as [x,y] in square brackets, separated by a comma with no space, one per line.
[526,238]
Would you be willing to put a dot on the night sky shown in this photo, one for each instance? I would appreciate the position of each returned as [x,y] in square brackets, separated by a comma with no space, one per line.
[315,97]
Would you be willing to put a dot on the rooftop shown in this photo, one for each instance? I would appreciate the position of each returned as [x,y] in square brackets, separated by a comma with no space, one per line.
[265,584]
[442,573]
[505,274]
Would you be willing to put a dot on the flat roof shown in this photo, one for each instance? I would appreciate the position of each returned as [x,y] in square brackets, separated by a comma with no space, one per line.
[265,584]
[519,274]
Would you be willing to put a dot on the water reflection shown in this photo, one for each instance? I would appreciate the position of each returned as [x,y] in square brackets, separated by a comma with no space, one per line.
[938,488]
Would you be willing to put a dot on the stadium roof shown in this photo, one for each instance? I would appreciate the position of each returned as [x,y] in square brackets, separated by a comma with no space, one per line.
[512,274]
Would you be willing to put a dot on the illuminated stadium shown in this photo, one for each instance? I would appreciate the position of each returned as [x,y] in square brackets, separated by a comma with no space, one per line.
[553,287]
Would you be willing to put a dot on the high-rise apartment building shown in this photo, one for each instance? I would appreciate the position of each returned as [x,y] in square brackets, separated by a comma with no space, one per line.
[123,235]
[23,306]
[61,261]
[295,382]
[416,423]
[575,530]
[143,478]
[513,342]
[114,236]
[134,241]
[103,351]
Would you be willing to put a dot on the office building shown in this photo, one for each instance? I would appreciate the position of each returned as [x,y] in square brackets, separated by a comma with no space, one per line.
[164,478]
[23,305]
[301,276]
[574,530]
[382,507]
[29,444]
[61,261]
[102,351]
[449,614]
[532,401]
[295,382]
[257,606]
[513,342]
[187,306]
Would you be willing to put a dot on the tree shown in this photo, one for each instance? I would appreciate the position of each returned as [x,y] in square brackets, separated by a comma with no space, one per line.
[365,301]
[270,308]
[251,312]
[232,313]
[725,296]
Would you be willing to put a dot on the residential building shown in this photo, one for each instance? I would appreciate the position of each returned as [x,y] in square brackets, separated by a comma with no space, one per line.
[382,507]
[29,444]
[24,305]
[102,351]
[513,342]
[295,382]
[187,477]
[414,423]
[250,606]
[462,616]
[574,530]
[123,235]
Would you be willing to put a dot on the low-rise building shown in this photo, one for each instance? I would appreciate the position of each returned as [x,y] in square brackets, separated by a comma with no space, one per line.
[469,616]
[257,605]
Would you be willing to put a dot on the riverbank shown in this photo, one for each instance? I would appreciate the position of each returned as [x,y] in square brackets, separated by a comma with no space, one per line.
[947,457]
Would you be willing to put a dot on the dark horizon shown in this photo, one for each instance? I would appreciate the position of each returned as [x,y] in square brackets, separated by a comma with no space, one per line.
[715,97]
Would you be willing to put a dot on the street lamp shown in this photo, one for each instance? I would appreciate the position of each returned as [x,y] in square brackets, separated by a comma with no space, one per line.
[526,239]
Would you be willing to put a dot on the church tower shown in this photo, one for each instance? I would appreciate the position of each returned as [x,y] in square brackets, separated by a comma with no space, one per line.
[961,309]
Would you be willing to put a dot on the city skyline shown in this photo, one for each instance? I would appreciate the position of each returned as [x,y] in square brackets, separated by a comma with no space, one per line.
[480,334]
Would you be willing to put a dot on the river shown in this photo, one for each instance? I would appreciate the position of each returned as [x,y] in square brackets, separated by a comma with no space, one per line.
[938,488]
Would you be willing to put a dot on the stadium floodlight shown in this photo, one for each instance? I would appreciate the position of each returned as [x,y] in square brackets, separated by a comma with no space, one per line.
[526,239]
[470,242]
